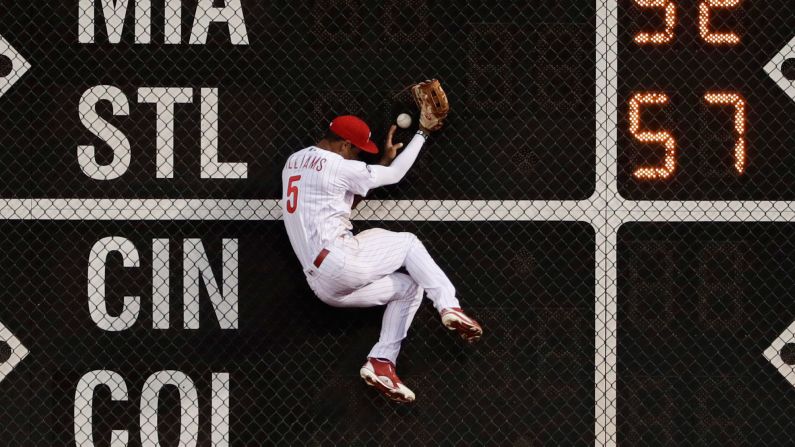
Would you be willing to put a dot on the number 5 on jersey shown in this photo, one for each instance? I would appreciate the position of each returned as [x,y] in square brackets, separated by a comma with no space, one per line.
[292,193]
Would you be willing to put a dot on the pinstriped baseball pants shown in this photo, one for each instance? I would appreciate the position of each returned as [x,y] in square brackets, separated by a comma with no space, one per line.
[361,271]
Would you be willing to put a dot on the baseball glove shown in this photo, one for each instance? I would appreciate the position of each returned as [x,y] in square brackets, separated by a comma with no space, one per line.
[432,102]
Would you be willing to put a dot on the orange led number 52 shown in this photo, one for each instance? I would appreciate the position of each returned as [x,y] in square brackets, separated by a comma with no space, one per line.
[705,8]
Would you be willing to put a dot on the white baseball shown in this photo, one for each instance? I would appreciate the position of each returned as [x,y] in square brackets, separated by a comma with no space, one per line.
[404,120]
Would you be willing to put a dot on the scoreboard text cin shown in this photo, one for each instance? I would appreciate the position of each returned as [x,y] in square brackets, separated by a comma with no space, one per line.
[197,274]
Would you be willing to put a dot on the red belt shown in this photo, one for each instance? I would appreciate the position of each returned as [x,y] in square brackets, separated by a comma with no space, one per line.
[321,257]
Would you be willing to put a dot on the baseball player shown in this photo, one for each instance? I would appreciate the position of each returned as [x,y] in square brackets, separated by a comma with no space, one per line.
[346,270]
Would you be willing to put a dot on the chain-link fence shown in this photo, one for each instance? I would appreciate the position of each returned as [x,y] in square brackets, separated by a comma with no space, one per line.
[611,197]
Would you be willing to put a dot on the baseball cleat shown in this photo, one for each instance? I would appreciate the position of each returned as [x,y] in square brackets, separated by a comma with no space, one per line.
[380,374]
[455,319]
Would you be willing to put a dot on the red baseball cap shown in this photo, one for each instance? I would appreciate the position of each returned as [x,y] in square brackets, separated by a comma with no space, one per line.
[354,130]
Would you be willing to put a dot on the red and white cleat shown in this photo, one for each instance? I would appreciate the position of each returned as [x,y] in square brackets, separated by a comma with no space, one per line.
[455,319]
[381,375]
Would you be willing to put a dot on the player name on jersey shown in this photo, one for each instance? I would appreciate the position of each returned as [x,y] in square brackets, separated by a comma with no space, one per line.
[313,162]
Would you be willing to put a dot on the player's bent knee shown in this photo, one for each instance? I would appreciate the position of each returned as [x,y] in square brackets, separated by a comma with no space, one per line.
[414,291]
[409,289]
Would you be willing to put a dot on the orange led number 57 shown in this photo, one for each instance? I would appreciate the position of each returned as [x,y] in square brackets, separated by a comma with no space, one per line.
[666,138]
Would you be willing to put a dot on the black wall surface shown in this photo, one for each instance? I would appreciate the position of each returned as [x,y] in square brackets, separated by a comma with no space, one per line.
[293,362]
[520,76]
[698,304]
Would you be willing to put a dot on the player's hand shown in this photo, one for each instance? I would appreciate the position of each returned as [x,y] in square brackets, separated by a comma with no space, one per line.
[390,149]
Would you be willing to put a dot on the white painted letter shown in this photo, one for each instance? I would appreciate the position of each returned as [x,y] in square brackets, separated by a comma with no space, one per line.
[160,284]
[96,284]
[188,403]
[220,409]
[196,269]
[143,21]
[173,21]
[165,98]
[83,409]
[211,167]
[104,130]
[114,12]
[232,14]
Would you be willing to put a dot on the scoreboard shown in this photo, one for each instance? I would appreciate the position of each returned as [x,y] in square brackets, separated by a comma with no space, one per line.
[257,94]
[244,360]
[700,117]
[705,109]
[613,197]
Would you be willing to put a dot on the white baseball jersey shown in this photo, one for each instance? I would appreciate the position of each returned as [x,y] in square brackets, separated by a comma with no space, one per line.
[319,187]
[359,271]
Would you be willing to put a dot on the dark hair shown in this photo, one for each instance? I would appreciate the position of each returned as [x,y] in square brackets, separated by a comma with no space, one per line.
[332,137]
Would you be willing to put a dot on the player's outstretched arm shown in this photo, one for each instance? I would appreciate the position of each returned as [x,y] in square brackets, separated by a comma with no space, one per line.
[389,175]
